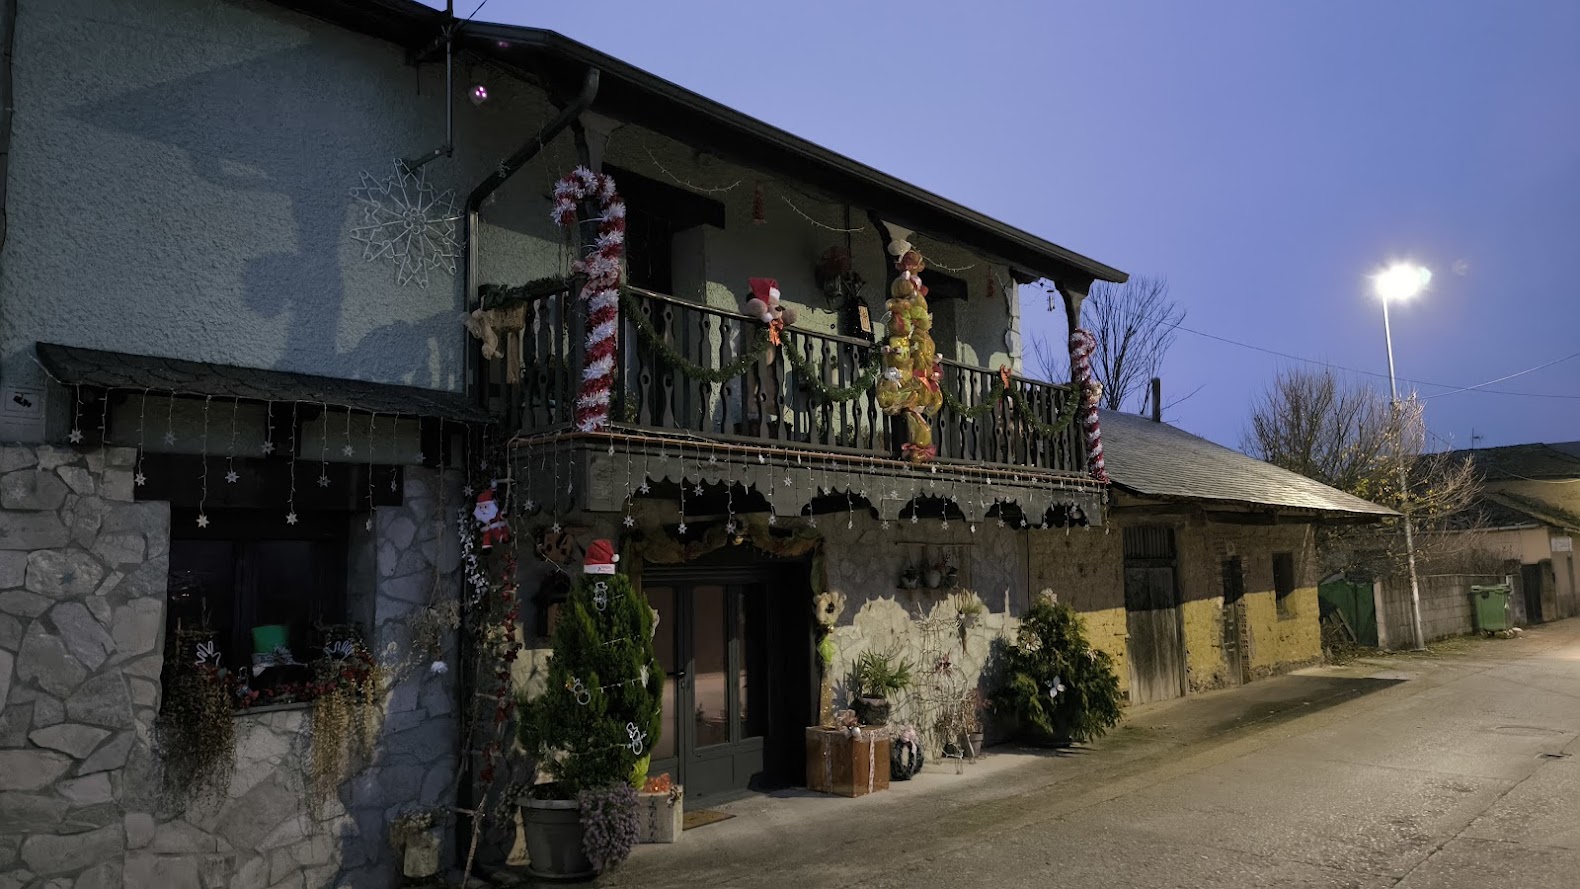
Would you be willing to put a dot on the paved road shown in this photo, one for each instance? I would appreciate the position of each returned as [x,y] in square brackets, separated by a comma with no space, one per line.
[1448,771]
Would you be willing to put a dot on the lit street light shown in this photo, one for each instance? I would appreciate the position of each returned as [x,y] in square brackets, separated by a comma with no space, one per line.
[1402,281]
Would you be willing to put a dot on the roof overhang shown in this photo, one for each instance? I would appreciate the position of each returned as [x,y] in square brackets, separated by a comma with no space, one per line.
[635,96]
[98,369]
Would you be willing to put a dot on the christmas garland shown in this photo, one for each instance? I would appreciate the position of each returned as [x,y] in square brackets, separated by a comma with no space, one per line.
[997,394]
[753,353]
[601,291]
[861,386]
[671,356]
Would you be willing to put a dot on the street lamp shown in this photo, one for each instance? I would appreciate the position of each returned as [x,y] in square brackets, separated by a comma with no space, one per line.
[1402,281]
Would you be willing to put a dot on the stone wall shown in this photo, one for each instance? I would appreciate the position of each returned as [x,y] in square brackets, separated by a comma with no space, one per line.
[1446,609]
[83,576]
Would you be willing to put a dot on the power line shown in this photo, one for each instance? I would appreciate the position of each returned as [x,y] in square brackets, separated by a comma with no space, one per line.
[1509,376]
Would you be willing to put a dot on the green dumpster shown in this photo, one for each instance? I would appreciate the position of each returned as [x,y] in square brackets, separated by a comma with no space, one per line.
[1491,604]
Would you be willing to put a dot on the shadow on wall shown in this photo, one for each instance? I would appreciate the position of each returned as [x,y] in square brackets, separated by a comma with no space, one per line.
[300,124]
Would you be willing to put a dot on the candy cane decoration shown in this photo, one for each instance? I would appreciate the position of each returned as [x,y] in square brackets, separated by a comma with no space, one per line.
[1082,345]
[601,293]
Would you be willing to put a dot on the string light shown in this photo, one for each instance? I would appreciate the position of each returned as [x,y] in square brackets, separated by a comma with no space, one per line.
[142,423]
[75,437]
[323,448]
[231,477]
[679,181]
[799,212]
[104,418]
[290,516]
[170,416]
[372,511]
[202,518]
[268,429]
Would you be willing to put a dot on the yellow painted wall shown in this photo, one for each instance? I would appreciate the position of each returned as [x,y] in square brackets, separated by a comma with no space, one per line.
[1204,657]
[1106,630]
[1278,643]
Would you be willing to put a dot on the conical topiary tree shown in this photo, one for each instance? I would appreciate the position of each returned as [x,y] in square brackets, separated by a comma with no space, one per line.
[598,718]
[1057,684]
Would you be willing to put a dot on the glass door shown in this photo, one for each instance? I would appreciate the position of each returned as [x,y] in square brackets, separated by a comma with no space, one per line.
[709,742]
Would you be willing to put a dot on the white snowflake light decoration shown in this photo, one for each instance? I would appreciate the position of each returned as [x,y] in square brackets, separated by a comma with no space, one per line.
[406,220]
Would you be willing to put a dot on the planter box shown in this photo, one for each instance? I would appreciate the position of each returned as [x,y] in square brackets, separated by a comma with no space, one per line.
[660,816]
[839,764]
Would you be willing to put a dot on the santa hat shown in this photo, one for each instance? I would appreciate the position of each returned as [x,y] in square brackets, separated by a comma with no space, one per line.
[487,496]
[600,558]
[765,289]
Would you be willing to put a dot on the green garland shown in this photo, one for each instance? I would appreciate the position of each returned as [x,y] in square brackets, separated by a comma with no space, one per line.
[672,357]
[863,383]
[996,394]
[860,386]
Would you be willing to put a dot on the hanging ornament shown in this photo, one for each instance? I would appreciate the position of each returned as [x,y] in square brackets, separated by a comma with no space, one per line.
[142,421]
[759,205]
[407,221]
[290,515]
[601,292]
[170,416]
[202,519]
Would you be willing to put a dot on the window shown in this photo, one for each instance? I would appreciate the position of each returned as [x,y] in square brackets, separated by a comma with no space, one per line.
[263,592]
[1284,583]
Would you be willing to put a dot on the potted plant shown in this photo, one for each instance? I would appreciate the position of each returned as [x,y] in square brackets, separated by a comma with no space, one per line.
[968,610]
[1059,687]
[950,572]
[875,676]
[933,577]
[412,834]
[592,727]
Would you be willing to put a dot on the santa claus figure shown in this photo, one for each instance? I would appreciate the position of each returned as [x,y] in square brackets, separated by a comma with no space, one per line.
[492,525]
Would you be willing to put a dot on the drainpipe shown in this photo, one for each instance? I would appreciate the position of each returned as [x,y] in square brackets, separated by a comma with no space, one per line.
[474,204]
[448,148]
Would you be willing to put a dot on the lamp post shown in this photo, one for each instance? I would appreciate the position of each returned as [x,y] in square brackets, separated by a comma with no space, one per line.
[1399,282]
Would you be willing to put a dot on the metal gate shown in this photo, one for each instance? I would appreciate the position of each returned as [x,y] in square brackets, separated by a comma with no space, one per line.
[1152,615]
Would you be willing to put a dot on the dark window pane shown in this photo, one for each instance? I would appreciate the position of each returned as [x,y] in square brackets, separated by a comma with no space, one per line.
[662,599]
[710,679]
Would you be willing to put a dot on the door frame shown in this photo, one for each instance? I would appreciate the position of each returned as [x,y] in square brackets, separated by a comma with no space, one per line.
[688,759]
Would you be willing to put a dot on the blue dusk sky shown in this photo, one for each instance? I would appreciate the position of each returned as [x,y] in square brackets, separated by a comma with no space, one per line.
[1264,157]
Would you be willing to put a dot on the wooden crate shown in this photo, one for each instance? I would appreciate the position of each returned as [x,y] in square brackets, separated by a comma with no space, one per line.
[839,764]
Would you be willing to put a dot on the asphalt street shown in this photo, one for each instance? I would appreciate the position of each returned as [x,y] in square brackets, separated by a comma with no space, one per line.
[1448,770]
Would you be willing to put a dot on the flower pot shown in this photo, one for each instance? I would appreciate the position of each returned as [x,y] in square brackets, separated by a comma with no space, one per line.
[933,578]
[422,855]
[974,744]
[553,830]
[871,711]
[267,638]
[909,581]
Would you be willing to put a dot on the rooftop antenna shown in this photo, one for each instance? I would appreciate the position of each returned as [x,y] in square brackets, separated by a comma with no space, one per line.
[1474,438]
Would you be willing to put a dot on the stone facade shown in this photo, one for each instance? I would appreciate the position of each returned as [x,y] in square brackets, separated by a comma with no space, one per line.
[83,577]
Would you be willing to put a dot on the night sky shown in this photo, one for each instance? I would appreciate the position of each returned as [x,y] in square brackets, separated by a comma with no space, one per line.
[1264,157]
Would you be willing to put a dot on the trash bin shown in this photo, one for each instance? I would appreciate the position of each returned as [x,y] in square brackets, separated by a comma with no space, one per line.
[1491,605]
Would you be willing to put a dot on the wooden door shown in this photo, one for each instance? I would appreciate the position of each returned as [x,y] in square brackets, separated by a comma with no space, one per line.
[1152,615]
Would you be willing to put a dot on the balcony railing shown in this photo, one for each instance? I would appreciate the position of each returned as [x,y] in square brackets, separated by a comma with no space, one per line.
[689,368]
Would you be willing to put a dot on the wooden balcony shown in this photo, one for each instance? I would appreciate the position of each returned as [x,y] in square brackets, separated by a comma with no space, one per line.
[689,369]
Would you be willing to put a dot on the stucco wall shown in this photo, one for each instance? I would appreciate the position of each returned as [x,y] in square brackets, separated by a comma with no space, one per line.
[84,573]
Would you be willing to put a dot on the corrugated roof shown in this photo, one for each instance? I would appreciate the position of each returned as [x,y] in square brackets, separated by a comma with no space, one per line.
[1160,460]
[120,370]
[1527,461]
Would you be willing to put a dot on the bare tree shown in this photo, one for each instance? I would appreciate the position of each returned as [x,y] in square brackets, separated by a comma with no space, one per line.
[1134,325]
[1349,436]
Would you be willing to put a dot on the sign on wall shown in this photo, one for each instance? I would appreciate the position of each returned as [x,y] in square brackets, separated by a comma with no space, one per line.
[1563,544]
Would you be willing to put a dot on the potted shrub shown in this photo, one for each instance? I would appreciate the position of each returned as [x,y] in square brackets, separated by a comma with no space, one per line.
[1059,687]
[593,726]
[875,676]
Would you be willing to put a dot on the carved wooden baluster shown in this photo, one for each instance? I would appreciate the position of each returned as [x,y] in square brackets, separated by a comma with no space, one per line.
[776,400]
[669,383]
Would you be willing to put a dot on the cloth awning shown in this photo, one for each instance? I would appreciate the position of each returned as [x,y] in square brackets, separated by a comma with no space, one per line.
[96,368]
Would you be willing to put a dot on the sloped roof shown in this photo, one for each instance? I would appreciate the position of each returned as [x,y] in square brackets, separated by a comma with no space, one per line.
[1545,513]
[124,371]
[1526,461]
[1160,460]
[630,94]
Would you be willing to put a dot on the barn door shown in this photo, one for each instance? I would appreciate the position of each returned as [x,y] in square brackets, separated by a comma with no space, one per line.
[1236,639]
[1152,615]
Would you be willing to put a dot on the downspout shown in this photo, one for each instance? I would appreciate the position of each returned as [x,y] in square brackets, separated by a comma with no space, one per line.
[474,203]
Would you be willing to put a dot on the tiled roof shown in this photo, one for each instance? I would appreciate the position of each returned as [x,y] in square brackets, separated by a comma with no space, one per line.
[1527,461]
[120,370]
[1160,460]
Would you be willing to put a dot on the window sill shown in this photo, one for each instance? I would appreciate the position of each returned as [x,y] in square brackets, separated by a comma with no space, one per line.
[271,708]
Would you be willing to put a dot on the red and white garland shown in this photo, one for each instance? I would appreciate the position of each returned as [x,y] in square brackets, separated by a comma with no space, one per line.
[1082,345]
[601,293]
